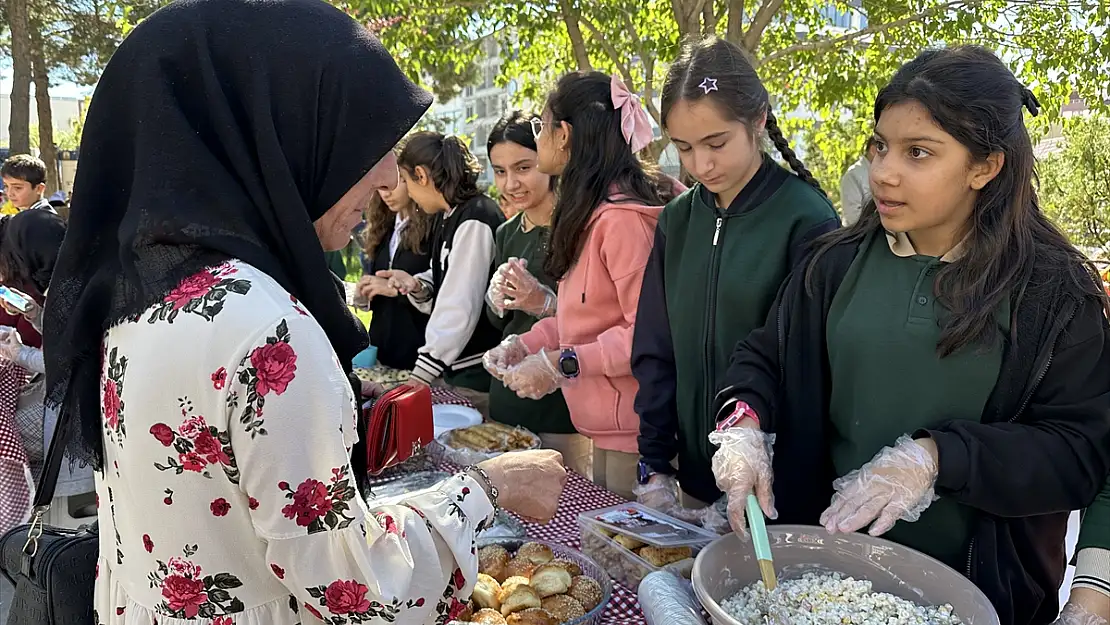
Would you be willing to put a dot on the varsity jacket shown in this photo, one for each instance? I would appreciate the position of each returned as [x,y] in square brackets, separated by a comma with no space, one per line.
[458,332]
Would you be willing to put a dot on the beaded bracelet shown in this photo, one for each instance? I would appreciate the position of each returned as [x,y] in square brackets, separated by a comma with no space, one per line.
[491,490]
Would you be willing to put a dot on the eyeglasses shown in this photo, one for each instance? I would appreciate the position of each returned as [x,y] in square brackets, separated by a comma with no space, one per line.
[537,126]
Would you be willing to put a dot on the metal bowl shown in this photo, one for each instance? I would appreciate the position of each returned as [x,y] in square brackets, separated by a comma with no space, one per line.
[588,566]
[729,563]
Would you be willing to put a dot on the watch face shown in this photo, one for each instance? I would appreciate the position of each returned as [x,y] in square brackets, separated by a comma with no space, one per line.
[568,364]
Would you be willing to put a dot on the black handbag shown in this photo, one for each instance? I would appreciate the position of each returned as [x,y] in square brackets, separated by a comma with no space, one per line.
[53,569]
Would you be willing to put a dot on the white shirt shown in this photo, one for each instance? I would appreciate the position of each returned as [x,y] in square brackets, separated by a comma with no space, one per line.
[227,496]
[855,190]
[399,225]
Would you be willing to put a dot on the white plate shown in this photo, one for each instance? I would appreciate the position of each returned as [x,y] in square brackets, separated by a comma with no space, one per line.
[448,417]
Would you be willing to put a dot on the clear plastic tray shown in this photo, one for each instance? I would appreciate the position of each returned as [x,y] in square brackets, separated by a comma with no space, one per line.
[622,564]
[648,526]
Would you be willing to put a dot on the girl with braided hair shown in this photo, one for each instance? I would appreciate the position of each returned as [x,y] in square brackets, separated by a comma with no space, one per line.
[722,249]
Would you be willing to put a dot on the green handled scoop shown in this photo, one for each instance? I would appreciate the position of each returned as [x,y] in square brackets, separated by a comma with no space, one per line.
[758,530]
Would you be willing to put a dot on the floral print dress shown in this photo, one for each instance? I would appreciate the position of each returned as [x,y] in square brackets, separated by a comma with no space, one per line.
[227,497]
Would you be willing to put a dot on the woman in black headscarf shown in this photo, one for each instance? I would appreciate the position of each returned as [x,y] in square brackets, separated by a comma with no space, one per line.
[194,330]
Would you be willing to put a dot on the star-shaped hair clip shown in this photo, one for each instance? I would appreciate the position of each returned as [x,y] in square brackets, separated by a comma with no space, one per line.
[709,84]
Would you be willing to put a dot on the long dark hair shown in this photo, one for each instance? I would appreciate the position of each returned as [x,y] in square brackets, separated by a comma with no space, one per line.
[452,167]
[739,92]
[975,98]
[29,245]
[600,159]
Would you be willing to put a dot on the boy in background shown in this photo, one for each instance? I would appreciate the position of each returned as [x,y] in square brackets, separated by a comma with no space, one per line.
[25,182]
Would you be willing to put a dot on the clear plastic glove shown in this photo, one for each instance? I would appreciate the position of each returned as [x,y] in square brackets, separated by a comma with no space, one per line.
[1076,614]
[660,493]
[523,292]
[495,294]
[10,343]
[897,485]
[508,354]
[711,518]
[535,377]
[530,482]
[742,465]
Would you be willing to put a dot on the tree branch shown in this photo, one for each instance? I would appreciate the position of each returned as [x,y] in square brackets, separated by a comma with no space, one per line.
[767,11]
[734,30]
[577,42]
[708,18]
[827,44]
[622,67]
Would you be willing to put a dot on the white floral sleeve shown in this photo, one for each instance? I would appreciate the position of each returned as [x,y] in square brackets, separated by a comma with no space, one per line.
[291,411]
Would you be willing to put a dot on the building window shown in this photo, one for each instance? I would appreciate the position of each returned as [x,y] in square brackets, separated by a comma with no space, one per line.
[470,112]
[468,91]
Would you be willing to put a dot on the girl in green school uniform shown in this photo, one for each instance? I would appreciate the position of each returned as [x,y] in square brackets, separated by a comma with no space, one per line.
[939,372]
[517,298]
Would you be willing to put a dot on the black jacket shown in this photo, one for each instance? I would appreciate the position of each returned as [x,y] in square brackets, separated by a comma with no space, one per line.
[397,327]
[1041,449]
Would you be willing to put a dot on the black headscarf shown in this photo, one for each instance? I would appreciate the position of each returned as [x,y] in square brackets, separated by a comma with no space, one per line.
[219,129]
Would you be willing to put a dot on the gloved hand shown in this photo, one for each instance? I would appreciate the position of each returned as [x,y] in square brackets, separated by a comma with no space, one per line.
[713,518]
[10,343]
[1076,614]
[742,465]
[495,294]
[508,354]
[535,377]
[896,485]
[522,291]
[660,493]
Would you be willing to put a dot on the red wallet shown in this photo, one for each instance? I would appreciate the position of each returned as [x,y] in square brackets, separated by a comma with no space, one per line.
[399,424]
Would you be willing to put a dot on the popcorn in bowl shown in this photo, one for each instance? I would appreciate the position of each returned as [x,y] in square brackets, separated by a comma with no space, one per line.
[831,599]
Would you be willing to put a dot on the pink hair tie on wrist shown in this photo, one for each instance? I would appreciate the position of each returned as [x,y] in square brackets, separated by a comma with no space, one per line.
[635,123]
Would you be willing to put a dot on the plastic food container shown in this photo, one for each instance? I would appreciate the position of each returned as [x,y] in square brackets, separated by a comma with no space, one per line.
[588,566]
[462,456]
[729,564]
[646,525]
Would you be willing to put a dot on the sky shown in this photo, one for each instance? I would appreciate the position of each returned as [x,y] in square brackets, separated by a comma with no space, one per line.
[60,90]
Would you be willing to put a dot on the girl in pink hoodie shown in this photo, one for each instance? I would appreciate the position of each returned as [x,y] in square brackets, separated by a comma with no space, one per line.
[601,237]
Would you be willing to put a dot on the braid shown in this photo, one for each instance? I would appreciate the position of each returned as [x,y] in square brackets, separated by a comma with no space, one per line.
[777,138]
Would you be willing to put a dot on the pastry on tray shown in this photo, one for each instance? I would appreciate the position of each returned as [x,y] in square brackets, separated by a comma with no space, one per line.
[491,437]
[536,553]
[550,579]
[487,592]
[563,607]
[662,556]
[494,561]
[532,616]
[521,597]
[488,617]
[586,590]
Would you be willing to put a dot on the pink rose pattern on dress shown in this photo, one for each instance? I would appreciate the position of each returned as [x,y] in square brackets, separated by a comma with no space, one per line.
[268,369]
[111,396]
[188,594]
[219,379]
[318,506]
[198,446]
[202,293]
[345,601]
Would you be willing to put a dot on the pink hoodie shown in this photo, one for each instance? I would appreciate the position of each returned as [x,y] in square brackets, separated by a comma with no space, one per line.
[596,315]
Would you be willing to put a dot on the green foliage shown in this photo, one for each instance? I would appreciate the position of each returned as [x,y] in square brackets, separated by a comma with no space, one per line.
[1075,182]
[1055,46]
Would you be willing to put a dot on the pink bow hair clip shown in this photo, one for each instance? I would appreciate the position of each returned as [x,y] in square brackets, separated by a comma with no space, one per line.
[635,123]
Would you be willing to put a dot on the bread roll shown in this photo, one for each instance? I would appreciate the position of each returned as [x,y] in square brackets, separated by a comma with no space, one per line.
[487,592]
[521,598]
[550,579]
[535,553]
[493,561]
[587,591]
[662,556]
[563,607]
[519,567]
[511,583]
[571,567]
[488,617]
[532,616]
